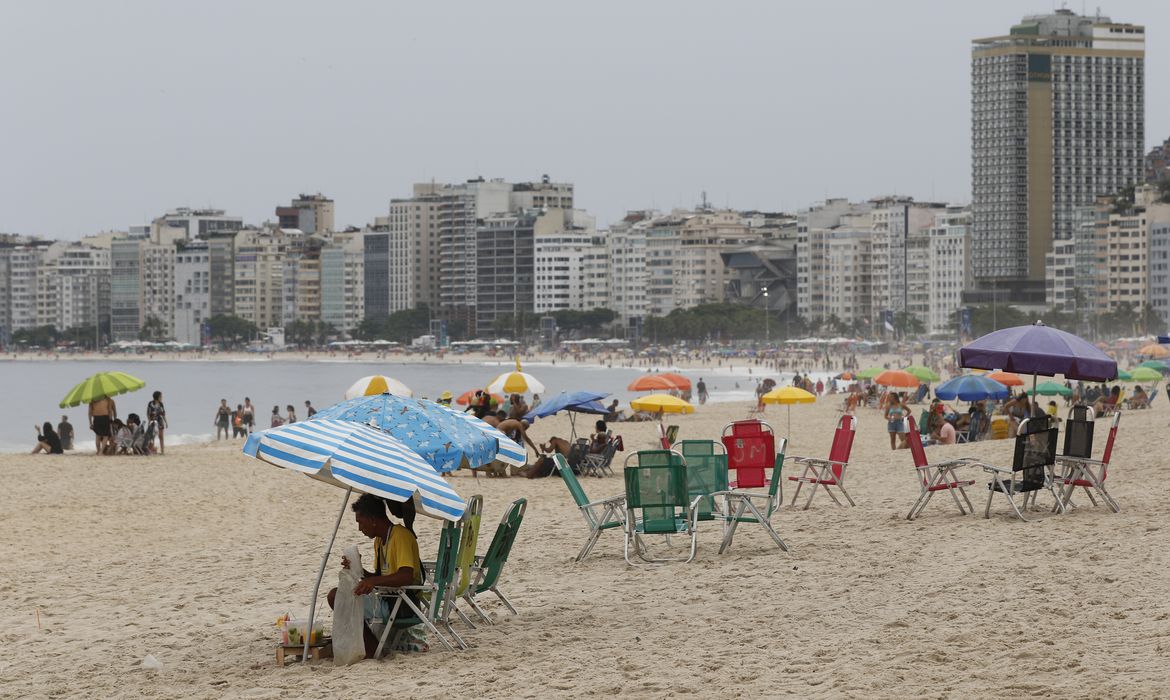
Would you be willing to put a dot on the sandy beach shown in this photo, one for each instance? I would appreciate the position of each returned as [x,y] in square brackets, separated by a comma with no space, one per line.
[191,556]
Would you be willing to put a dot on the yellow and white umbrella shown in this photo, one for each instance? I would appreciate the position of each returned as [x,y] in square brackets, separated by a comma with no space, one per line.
[515,382]
[376,384]
[786,396]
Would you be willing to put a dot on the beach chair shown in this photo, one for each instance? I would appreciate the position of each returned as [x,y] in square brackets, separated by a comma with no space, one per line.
[488,568]
[425,603]
[706,462]
[468,541]
[751,451]
[974,429]
[599,463]
[656,489]
[1089,473]
[1035,454]
[668,436]
[739,506]
[829,472]
[606,514]
[144,434]
[936,477]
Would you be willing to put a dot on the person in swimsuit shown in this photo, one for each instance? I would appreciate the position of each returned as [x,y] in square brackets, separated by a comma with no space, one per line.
[101,412]
[155,411]
[223,420]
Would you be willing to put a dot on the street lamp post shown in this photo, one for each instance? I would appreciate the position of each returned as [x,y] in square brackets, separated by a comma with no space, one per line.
[767,328]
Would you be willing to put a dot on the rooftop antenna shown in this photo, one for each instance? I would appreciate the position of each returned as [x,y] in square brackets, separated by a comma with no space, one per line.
[705,206]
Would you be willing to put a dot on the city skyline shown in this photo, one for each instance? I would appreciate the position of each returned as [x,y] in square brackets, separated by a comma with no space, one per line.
[610,105]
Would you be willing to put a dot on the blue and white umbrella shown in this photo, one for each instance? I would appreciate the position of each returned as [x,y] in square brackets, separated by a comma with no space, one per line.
[971,387]
[444,437]
[354,457]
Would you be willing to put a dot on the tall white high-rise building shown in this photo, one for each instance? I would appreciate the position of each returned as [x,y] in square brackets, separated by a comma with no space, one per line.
[1057,119]
[192,291]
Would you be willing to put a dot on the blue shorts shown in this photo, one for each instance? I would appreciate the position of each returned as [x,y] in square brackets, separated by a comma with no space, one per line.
[895,426]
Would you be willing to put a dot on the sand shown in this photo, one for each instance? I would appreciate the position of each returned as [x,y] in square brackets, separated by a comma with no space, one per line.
[190,557]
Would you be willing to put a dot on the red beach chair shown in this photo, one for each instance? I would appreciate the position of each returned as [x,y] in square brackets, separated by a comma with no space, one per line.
[751,449]
[1089,473]
[831,471]
[933,478]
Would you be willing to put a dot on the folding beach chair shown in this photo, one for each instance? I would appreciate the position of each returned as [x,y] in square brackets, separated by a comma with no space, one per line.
[974,428]
[472,517]
[828,472]
[425,603]
[706,462]
[1035,454]
[1088,473]
[936,477]
[751,450]
[656,487]
[668,436]
[606,514]
[739,506]
[487,569]
[598,463]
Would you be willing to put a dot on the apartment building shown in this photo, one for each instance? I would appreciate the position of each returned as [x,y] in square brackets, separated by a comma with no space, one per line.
[192,291]
[311,213]
[813,228]
[342,281]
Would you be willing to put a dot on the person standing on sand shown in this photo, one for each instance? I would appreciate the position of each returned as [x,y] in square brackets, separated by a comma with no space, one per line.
[309,410]
[102,413]
[277,420]
[222,420]
[292,415]
[155,411]
[65,432]
[701,387]
[249,415]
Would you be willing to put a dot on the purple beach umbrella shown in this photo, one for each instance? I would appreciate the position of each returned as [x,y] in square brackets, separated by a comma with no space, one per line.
[1038,349]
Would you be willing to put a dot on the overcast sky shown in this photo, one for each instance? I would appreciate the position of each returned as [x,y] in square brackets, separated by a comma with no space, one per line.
[111,113]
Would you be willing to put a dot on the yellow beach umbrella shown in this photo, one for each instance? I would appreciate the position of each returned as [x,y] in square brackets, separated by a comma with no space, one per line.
[376,384]
[786,396]
[516,382]
[661,403]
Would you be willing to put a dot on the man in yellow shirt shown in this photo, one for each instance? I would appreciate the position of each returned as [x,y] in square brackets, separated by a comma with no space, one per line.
[396,559]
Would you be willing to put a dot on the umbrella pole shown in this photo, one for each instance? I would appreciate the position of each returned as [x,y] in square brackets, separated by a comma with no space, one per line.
[321,574]
[790,421]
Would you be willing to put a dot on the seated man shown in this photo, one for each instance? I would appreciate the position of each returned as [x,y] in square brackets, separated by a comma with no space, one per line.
[599,439]
[944,434]
[396,563]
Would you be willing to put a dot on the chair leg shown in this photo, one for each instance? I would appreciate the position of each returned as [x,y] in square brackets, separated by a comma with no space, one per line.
[958,503]
[970,507]
[797,494]
[987,509]
[1016,507]
[466,620]
[588,546]
[386,632]
[811,494]
[503,599]
[1090,495]
[923,496]
[767,525]
[845,494]
[475,606]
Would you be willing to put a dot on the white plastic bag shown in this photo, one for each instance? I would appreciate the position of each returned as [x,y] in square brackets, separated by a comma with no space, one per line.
[348,619]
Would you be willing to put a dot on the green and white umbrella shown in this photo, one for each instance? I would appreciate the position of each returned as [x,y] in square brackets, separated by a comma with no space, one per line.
[923,373]
[101,385]
[1051,389]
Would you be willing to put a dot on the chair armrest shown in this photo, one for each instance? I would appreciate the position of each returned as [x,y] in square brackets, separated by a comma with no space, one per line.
[735,493]
[950,464]
[813,460]
[1083,461]
[995,470]
[606,501]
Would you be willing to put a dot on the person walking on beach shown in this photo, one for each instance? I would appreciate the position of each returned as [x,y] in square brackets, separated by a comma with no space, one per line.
[155,411]
[65,432]
[223,420]
[309,410]
[292,415]
[277,420]
[895,418]
[249,415]
[701,387]
[102,413]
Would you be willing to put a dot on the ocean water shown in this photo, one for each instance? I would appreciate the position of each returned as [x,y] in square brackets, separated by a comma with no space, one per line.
[192,389]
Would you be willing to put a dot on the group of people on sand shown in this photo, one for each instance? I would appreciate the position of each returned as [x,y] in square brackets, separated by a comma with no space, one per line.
[112,435]
[241,421]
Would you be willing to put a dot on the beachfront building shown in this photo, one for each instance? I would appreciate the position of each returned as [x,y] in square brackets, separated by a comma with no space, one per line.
[1159,269]
[142,285]
[899,240]
[192,291]
[939,269]
[258,277]
[342,281]
[505,268]
[848,271]
[813,227]
[1125,241]
[311,213]
[73,287]
[571,265]
[221,258]
[626,249]
[684,264]
[20,263]
[199,223]
[429,253]
[1058,119]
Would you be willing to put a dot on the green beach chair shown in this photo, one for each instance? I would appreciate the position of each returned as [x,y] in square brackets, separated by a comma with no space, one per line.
[487,569]
[425,604]
[656,488]
[739,506]
[600,516]
[706,462]
[467,544]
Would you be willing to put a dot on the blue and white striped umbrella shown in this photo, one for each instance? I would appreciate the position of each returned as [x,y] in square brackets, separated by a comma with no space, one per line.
[352,455]
[444,437]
